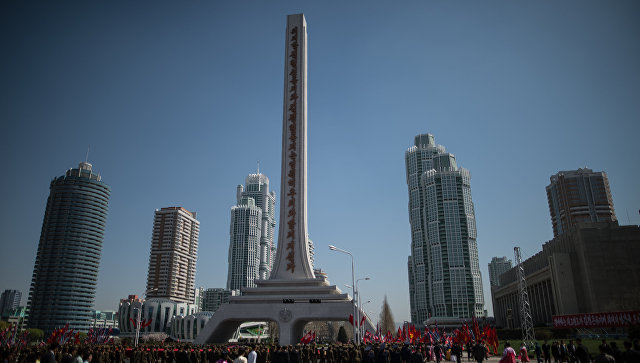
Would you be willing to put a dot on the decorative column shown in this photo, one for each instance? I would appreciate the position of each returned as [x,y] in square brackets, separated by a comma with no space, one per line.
[292,256]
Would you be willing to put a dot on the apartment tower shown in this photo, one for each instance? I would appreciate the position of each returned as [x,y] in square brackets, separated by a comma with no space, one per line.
[174,252]
[65,273]
[444,272]
[579,196]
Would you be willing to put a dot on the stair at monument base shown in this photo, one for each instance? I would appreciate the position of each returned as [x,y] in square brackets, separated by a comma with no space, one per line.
[299,290]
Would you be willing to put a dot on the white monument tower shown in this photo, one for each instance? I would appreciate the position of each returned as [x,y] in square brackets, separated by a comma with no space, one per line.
[292,296]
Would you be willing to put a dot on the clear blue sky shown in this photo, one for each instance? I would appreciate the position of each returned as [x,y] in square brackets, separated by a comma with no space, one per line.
[178,100]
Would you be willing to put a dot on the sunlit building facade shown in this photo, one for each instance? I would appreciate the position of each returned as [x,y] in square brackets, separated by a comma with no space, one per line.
[251,242]
[444,272]
[173,257]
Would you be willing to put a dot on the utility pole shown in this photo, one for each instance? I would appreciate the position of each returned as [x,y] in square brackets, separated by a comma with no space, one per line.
[526,322]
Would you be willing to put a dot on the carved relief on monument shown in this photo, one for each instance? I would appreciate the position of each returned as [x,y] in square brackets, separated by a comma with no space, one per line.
[292,156]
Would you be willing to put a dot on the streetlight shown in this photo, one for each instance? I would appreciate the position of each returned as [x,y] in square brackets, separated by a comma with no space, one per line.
[353,282]
[361,330]
[361,309]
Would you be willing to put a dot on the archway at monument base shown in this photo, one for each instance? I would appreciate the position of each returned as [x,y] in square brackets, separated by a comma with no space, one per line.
[290,319]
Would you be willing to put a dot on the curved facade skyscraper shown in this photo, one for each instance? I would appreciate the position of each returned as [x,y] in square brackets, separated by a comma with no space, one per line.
[251,247]
[444,272]
[65,273]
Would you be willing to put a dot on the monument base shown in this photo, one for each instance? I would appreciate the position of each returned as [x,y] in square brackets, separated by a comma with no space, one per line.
[289,303]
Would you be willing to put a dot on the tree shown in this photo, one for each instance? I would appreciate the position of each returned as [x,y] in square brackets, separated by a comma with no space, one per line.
[35,334]
[274,333]
[342,335]
[386,318]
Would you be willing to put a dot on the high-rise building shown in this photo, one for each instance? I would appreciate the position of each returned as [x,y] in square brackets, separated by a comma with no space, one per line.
[10,299]
[174,252]
[497,267]
[199,297]
[579,196]
[65,273]
[251,247]
[444,272]
[213,298]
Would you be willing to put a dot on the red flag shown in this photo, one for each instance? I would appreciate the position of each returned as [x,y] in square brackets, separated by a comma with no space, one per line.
[351,318]
[476,329]
[303,340]
[146,323]
[364,317]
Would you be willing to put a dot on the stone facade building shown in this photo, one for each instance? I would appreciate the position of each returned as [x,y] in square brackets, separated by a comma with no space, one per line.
[590,268]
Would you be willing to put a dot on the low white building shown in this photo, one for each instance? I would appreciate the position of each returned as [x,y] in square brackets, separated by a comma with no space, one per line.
[158,311]
[187,328]
[104,319]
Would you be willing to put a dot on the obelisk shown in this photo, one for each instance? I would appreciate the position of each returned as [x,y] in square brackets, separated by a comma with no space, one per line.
[292,296]
[292,256]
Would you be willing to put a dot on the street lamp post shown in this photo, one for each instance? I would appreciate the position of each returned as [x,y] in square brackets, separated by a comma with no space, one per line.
[360,330]
[353,284]
[139,316]
[361,307]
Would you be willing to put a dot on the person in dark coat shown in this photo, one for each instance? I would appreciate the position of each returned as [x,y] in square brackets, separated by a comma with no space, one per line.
[582,353]
[294,354]
[630,355]
[50,355]
[538,352]
[479,352]
[604,357]
[546,350]
[383,354]
[394,354]
[417,356]
[437,350]
[456,350]
[616,353]
[369,355]
[555,351]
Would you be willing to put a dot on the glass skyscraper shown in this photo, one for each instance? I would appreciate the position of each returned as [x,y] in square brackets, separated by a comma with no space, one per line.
[65,273]
[497,267]
[10,299]
[251,246]
[444,272]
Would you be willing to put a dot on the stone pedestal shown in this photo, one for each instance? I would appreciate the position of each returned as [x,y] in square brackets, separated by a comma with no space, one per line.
[289,303]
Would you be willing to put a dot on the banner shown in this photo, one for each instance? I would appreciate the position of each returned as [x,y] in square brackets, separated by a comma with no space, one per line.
[597,320]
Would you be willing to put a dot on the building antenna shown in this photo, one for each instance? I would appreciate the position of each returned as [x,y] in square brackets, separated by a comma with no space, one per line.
[86,158]
[258,166]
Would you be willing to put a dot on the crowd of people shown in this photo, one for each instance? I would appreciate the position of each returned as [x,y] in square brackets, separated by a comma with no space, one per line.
[254,353]
[556,352]
[560,352]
